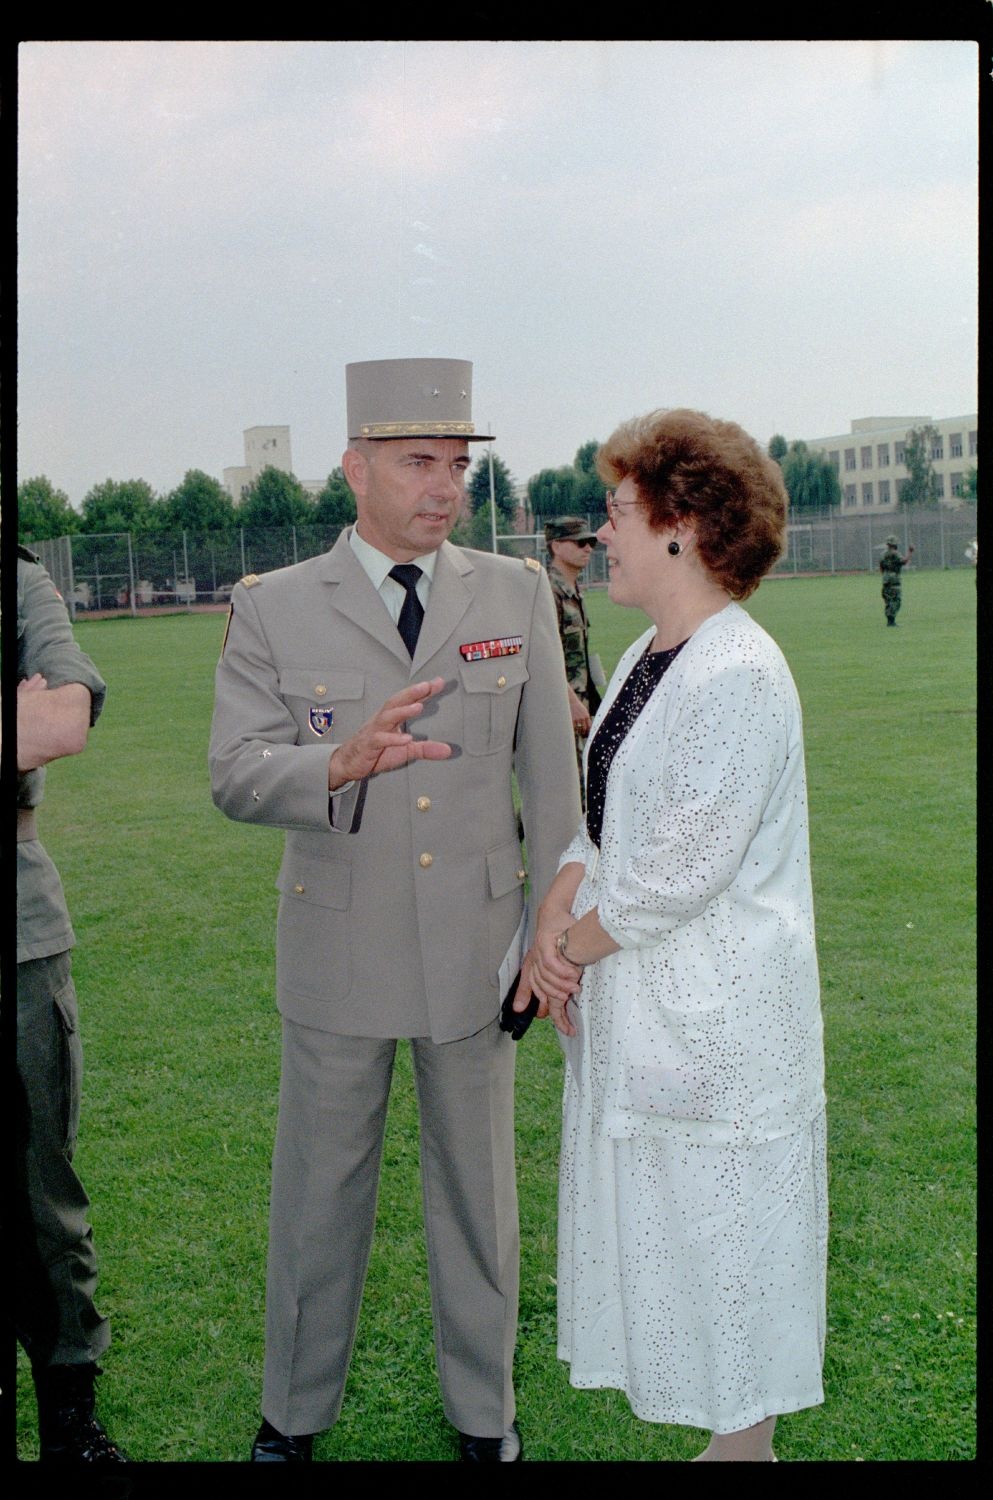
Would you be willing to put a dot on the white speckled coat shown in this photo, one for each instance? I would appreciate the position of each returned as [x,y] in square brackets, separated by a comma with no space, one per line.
[706,1024]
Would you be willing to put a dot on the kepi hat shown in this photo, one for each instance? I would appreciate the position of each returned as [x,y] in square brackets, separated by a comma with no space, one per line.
[398,398]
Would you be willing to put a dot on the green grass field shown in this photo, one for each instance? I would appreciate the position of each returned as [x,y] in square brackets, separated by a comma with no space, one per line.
[174,909]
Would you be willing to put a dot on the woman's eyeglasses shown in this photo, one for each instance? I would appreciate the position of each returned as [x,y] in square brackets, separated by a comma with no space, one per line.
[614,510]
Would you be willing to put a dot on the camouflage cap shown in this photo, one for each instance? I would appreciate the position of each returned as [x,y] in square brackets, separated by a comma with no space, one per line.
[569,529]
[892,541]
[398,398]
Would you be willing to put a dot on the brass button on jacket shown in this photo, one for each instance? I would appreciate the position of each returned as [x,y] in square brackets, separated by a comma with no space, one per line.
[426,860]
[423,804]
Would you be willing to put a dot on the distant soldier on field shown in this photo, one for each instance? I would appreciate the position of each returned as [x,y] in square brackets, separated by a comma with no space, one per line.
[891,565]
[570,546]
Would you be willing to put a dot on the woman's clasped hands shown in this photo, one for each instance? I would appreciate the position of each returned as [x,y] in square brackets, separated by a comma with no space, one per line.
[549,976]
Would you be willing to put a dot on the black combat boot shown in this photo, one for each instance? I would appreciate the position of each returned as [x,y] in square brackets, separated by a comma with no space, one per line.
[68,1430]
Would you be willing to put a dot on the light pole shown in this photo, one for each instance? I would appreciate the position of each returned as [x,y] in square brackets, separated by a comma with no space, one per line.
[493,530]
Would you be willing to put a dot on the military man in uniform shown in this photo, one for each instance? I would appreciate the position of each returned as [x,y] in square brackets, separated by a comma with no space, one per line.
[570,546]
[373,702]
[59,696]
[890,565]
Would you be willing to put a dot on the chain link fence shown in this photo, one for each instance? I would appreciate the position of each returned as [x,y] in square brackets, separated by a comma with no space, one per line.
[124,573]
[829,541]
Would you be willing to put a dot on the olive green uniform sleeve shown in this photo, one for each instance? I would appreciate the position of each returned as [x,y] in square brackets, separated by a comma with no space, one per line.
[45,644]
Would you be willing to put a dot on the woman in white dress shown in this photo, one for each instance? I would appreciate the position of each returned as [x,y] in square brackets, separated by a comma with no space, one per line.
[675,954]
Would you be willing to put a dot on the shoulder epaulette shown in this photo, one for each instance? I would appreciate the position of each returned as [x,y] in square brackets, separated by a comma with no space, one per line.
[250,579]
[533,564]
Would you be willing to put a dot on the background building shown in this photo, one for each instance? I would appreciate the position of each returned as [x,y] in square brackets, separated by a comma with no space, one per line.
[869,459]
[264,447]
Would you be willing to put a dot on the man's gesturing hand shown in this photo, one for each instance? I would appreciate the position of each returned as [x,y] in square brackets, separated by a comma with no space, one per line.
[383,743]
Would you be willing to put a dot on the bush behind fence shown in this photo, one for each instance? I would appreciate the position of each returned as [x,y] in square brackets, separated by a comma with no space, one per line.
[125,573]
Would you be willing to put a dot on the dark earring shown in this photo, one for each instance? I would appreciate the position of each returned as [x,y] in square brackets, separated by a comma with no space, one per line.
[674,549]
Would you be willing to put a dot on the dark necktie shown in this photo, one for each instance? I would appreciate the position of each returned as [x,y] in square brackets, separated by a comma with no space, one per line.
[412,613]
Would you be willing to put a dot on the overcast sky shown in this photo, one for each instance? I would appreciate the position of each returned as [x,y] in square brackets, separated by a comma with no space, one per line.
[783,233]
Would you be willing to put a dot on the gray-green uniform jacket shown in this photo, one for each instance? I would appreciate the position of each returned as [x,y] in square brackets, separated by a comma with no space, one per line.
[398,927]
[45,644]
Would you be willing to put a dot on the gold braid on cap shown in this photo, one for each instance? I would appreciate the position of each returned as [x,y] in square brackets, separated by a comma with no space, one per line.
[414,429]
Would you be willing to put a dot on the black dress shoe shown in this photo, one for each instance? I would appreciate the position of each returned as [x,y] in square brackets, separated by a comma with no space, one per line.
[488,1450]
[272,1447]
[69,1432]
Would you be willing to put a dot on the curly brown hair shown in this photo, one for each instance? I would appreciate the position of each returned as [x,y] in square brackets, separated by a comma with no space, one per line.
[690,467]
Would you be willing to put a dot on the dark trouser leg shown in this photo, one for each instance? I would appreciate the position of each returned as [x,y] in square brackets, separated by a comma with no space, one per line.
[55,1317]
[332,1115]
[465,1093]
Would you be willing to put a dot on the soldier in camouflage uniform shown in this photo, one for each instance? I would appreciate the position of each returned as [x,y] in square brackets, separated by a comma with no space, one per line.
[890,565]
[59,695]
[570,545]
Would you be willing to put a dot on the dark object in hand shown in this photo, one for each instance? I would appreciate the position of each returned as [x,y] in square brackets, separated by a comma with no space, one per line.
[517,1021]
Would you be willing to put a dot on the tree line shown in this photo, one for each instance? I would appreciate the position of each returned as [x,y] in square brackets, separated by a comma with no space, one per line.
[198,504]
[275,498]
[811,479]
[201,504]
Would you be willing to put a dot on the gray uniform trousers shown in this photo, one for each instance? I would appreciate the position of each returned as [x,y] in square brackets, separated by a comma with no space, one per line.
[54,1316]
[332,1114]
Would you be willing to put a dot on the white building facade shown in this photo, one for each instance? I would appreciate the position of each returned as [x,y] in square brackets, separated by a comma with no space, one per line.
[870,465]
[264,447]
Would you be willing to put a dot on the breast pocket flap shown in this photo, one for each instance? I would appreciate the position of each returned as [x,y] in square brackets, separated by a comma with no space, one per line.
[329,687]
[319,882]
[500,674]
[505,868]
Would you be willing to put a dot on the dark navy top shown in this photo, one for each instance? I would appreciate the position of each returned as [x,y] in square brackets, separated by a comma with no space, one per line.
[641,682]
